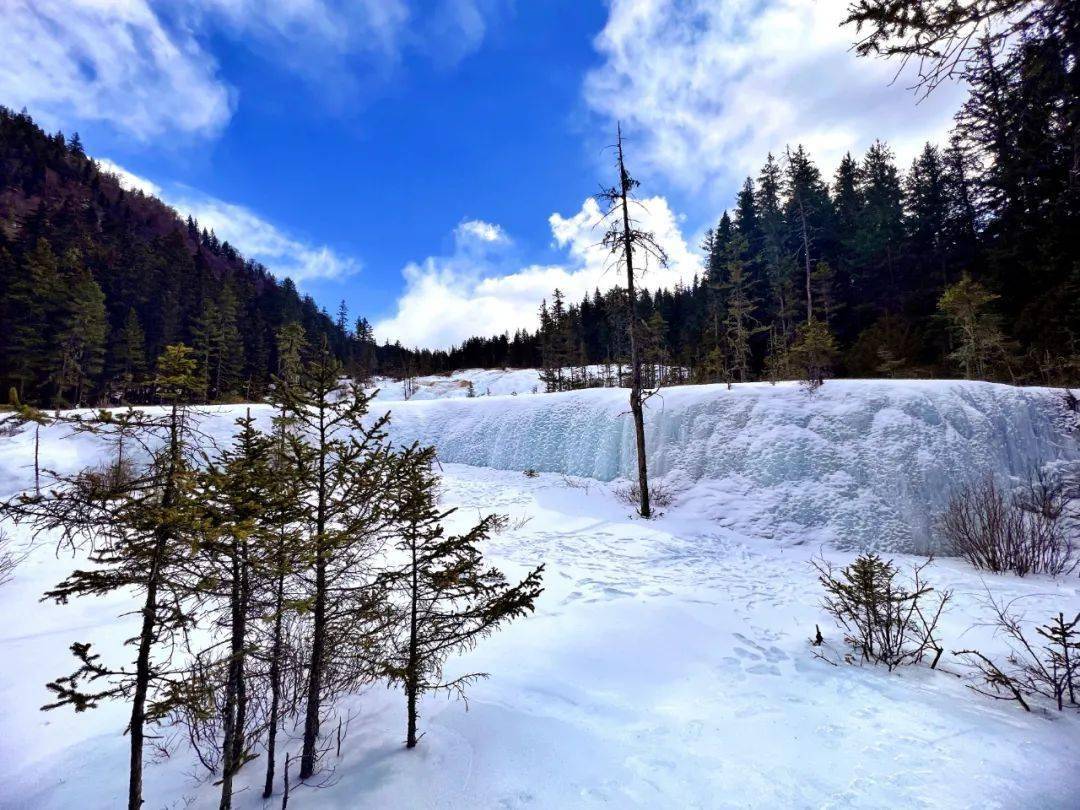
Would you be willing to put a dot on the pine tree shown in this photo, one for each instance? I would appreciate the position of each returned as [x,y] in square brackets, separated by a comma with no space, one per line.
[739,322]
[808,210]
[81,330]
[140,535]
[346,516]
[244,494]
[775,258]
[295,464]
[879,235]
[813,352]
[31,304]
[129,354]
[442,594]
[981,345]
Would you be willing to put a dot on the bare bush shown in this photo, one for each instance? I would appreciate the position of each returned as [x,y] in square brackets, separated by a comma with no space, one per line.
[660,495]
[883,621]
[7,559]
[1029,532]
[1047,666]
[531,473]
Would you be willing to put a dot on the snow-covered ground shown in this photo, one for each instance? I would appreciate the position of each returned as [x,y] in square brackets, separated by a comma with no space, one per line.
[668,663]
[486,382]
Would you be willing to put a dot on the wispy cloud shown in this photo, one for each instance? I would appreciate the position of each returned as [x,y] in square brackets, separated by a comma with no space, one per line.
[286,256]
[148,67]
[708,88]
[108,60]
[476,290]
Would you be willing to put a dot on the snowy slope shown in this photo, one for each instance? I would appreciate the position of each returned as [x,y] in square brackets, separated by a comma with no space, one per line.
[860,463]
[667,666]
[486,382]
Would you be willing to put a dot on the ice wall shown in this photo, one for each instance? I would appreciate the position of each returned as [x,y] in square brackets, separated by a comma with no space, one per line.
[860,463]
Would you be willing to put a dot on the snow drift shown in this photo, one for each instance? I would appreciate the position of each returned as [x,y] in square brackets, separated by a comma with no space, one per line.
[860,463]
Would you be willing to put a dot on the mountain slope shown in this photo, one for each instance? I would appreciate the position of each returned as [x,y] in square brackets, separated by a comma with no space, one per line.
[95,281]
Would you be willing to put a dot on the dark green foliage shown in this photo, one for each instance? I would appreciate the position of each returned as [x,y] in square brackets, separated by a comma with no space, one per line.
[443,597]
[78,256]
[139,533]
[884,621]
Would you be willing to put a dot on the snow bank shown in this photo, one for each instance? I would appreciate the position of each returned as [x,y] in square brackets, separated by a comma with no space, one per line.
[860,463]
[486,382]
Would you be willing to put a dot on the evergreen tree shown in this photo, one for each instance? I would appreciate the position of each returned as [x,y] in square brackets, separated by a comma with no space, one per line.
[813,352]
[346,515]
[739,323]
[140,535]
[879,235]
[294,462]
[980,342]
[808,212]
[81,330]
[32,301]
[442,595]
[129,354]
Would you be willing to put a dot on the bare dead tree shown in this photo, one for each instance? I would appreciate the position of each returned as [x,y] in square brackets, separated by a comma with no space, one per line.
[622,238]
[7,560]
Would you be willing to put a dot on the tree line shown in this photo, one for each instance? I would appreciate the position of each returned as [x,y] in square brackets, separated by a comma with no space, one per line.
[299,564]
[964,264]
[95,282]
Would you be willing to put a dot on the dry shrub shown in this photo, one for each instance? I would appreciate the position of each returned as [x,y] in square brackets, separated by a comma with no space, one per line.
[7,559]
[660,494]
[1045,665]
[883,621]
[107,480]
[1029,532]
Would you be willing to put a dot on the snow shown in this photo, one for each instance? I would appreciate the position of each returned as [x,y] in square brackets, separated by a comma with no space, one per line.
[860,463]
[486,382]
[668,663]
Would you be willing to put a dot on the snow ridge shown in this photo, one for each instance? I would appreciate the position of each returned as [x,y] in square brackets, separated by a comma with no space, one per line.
[860,463]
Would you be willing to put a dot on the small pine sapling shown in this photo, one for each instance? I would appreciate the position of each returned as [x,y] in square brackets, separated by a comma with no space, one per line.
[883,621]
[444,598]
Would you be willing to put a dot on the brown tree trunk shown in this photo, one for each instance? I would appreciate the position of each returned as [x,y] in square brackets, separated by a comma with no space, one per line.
[635,360]
[412,671]
[318,628]
[275,686]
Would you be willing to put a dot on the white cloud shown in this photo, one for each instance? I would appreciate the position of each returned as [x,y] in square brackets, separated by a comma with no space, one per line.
[485,232]
[147,66]
[706,89]
[108,60]
[473,292]
[258,239]
[284,255]
[128,180]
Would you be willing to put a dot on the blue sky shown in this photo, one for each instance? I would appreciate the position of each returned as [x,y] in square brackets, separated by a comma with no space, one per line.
[430,161]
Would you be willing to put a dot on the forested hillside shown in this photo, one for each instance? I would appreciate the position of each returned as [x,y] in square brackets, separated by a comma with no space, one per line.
[967,263]
[95,281]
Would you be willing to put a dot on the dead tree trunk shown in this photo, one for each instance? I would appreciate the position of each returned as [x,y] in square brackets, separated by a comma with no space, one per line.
[636,408]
